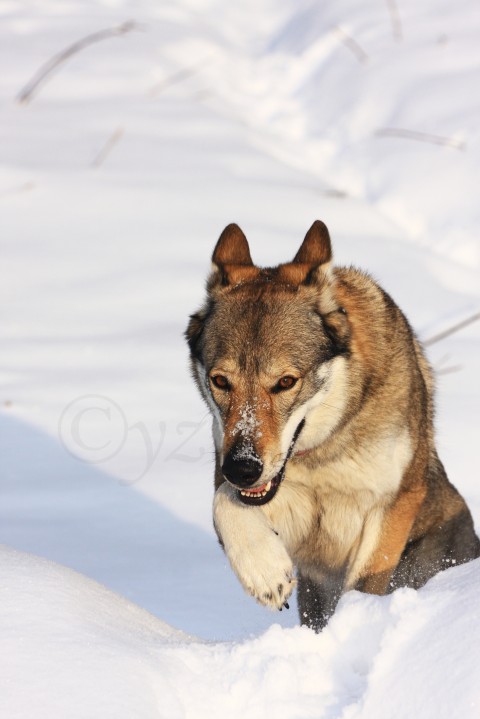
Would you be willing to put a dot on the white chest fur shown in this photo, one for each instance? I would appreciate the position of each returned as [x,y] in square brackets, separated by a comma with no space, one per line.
[331,516]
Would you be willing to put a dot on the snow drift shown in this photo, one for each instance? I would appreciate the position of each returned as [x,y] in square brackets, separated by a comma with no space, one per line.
[70,647]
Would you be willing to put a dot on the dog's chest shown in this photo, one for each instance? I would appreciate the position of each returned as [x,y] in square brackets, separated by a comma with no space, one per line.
[332,515]
[321,527]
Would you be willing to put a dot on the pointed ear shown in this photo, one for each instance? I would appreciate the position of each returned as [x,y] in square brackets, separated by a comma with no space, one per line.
[232,248]
[312,263]
[232,263]
[316,248]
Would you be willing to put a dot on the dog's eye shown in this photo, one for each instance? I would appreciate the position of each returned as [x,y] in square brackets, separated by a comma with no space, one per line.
[284,383]
[220,382]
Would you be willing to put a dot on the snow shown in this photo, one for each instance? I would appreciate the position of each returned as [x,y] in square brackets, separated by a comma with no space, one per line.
[76,649]
[115,183]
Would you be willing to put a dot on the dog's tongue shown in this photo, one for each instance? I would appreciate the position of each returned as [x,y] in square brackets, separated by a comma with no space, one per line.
[257,490]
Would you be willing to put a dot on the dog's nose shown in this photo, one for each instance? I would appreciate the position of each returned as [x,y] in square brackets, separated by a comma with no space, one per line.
[242,471]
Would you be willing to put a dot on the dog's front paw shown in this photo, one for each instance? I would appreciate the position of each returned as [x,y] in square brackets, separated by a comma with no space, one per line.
[263,567]
[256,553]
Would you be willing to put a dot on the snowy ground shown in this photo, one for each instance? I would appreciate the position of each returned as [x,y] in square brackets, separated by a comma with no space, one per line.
[115,182]
[77,650]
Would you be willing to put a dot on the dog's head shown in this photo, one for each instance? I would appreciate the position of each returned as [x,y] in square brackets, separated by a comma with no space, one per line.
[268,352]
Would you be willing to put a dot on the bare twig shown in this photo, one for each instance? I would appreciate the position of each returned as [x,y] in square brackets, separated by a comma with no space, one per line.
[451,330]
[352,45]
[114,138]
[449,370]
[26,187]
[442,362]
[41,76]
[178,76]
[396,20]
[421,137]
[334,192]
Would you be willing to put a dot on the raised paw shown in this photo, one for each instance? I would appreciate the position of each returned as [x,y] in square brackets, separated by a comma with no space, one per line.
[255,551]
[267,578]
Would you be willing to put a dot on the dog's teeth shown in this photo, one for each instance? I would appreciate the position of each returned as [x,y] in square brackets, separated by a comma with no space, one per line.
[257,495]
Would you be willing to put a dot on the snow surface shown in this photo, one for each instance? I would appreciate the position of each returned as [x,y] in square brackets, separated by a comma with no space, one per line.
[115,182]
[71,648]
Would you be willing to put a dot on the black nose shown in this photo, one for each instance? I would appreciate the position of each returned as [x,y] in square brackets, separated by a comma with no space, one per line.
[242,471]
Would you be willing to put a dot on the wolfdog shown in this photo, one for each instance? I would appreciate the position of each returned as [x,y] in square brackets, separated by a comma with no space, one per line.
[322,409]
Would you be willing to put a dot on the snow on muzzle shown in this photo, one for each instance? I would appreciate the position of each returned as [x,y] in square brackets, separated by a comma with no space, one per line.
[243,471]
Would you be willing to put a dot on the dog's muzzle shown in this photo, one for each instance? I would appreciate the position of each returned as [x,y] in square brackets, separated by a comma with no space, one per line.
[242,473]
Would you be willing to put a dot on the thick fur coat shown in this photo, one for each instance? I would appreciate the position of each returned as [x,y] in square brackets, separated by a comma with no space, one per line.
[322,404]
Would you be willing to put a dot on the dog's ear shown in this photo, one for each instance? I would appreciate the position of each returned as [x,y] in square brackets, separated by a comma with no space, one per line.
[316,248]
[232,248]
[231,260]
[312,266]
[312,263]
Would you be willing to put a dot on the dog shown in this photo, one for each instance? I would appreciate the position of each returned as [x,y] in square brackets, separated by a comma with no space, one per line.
[326,472]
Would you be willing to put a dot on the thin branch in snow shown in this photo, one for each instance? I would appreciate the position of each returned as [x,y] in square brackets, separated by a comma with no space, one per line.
[334,192]
[19,189]
[179,76]
[352,45]
[421,137]
[443,360]
[442,366]
[395,19]
[114,138]
[449,370]
[45,71]
[451,330]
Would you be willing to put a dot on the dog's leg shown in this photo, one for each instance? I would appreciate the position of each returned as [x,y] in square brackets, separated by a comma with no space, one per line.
[254,550]
[447,544]
[397,524]
[317,601]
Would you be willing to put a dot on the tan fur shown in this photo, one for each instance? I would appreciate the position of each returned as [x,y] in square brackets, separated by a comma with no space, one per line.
[355,495]
[349,500]
[397,524]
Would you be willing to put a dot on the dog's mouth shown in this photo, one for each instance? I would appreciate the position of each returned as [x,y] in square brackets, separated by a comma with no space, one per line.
[263,494]
[266,492]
